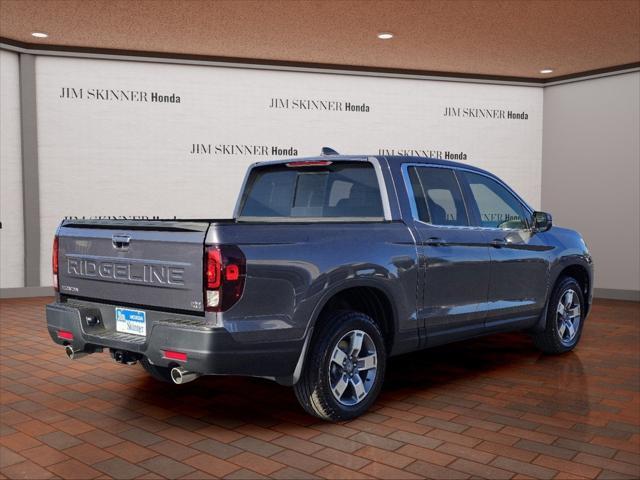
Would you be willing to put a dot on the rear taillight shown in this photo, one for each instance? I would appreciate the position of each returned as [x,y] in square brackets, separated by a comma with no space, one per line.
[224,274]
[54,263]
[214,268]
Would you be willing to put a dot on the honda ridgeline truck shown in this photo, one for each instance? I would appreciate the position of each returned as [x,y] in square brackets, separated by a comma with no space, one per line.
[329,266]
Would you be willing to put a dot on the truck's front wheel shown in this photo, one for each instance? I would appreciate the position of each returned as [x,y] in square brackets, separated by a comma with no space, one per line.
[345,369]
[565,318]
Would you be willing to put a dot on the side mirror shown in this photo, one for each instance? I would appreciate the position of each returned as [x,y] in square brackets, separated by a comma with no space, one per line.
[542,221]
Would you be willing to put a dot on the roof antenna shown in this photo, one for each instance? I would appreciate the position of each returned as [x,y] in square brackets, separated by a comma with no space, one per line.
[328,151]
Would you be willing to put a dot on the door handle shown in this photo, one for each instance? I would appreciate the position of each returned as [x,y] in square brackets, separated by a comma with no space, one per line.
[435,242]
[498,243]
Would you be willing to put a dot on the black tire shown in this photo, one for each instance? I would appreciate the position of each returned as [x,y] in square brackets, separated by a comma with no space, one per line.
[314,391]
[549,340]
[162,374]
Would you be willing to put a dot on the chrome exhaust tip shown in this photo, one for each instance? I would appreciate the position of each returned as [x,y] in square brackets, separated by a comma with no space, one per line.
[74,354]
[179,375]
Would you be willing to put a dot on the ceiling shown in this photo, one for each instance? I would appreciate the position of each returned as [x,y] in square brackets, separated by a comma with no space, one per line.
[486,37]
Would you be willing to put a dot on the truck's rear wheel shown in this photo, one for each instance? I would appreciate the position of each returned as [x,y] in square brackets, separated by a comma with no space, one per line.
[162,374]
[345,369]
[565,318]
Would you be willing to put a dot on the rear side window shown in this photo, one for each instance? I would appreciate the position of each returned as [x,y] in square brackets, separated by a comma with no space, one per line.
[437,196]
[338,190]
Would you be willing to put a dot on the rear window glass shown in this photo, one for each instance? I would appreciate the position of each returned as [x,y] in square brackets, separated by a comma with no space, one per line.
[339,190]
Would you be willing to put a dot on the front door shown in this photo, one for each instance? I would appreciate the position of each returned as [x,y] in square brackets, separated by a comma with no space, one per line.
[454,257]
[519,257]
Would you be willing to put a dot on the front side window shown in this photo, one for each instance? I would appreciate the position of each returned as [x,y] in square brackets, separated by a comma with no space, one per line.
[498,207]
[437,196]
[337,190]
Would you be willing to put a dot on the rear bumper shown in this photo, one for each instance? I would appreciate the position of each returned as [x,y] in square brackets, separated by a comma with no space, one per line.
[210,351]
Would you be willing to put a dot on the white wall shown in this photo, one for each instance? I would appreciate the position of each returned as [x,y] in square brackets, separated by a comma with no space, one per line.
[110,157]
[11,234]
[100,156]
[591,171]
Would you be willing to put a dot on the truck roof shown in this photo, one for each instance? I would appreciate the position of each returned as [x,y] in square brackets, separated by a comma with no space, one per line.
[392,159]
[427,161]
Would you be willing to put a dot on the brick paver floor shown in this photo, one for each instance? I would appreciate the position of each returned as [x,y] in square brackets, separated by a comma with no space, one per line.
[492,408]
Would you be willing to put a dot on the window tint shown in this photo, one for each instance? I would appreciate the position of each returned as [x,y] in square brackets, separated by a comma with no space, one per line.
[342,189]
[308,195]
[271,194]
[438,197]
[498,207]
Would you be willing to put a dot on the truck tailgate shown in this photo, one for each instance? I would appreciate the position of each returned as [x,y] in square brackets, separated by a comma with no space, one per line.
[147,263]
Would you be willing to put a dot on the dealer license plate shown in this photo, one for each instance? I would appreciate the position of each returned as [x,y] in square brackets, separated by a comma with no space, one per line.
[131,321]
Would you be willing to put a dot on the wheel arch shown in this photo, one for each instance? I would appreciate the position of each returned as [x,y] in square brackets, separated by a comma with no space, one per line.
[369,298]
[581,275]
[577,271]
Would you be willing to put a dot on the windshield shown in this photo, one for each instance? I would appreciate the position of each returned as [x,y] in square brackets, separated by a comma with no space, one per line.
[335,191]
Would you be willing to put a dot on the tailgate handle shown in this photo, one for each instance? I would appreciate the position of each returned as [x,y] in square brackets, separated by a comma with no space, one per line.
[121,242]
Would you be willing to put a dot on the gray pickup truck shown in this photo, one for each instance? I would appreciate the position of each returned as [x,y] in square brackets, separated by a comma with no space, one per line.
[330,265]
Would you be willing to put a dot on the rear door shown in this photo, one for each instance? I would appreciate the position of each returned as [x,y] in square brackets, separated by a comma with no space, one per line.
[141,263]
[519,257]
[454,257]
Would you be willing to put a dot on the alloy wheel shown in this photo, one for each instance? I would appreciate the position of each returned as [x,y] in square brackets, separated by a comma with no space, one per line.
[568,316]
[353,367]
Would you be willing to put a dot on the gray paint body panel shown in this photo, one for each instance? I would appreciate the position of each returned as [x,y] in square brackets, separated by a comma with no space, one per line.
[293,269]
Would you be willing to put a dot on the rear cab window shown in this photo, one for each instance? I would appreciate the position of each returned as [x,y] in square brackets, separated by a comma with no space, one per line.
[330,191]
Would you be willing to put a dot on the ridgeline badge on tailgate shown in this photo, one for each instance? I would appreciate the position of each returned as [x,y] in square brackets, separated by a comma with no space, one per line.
[138,272]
